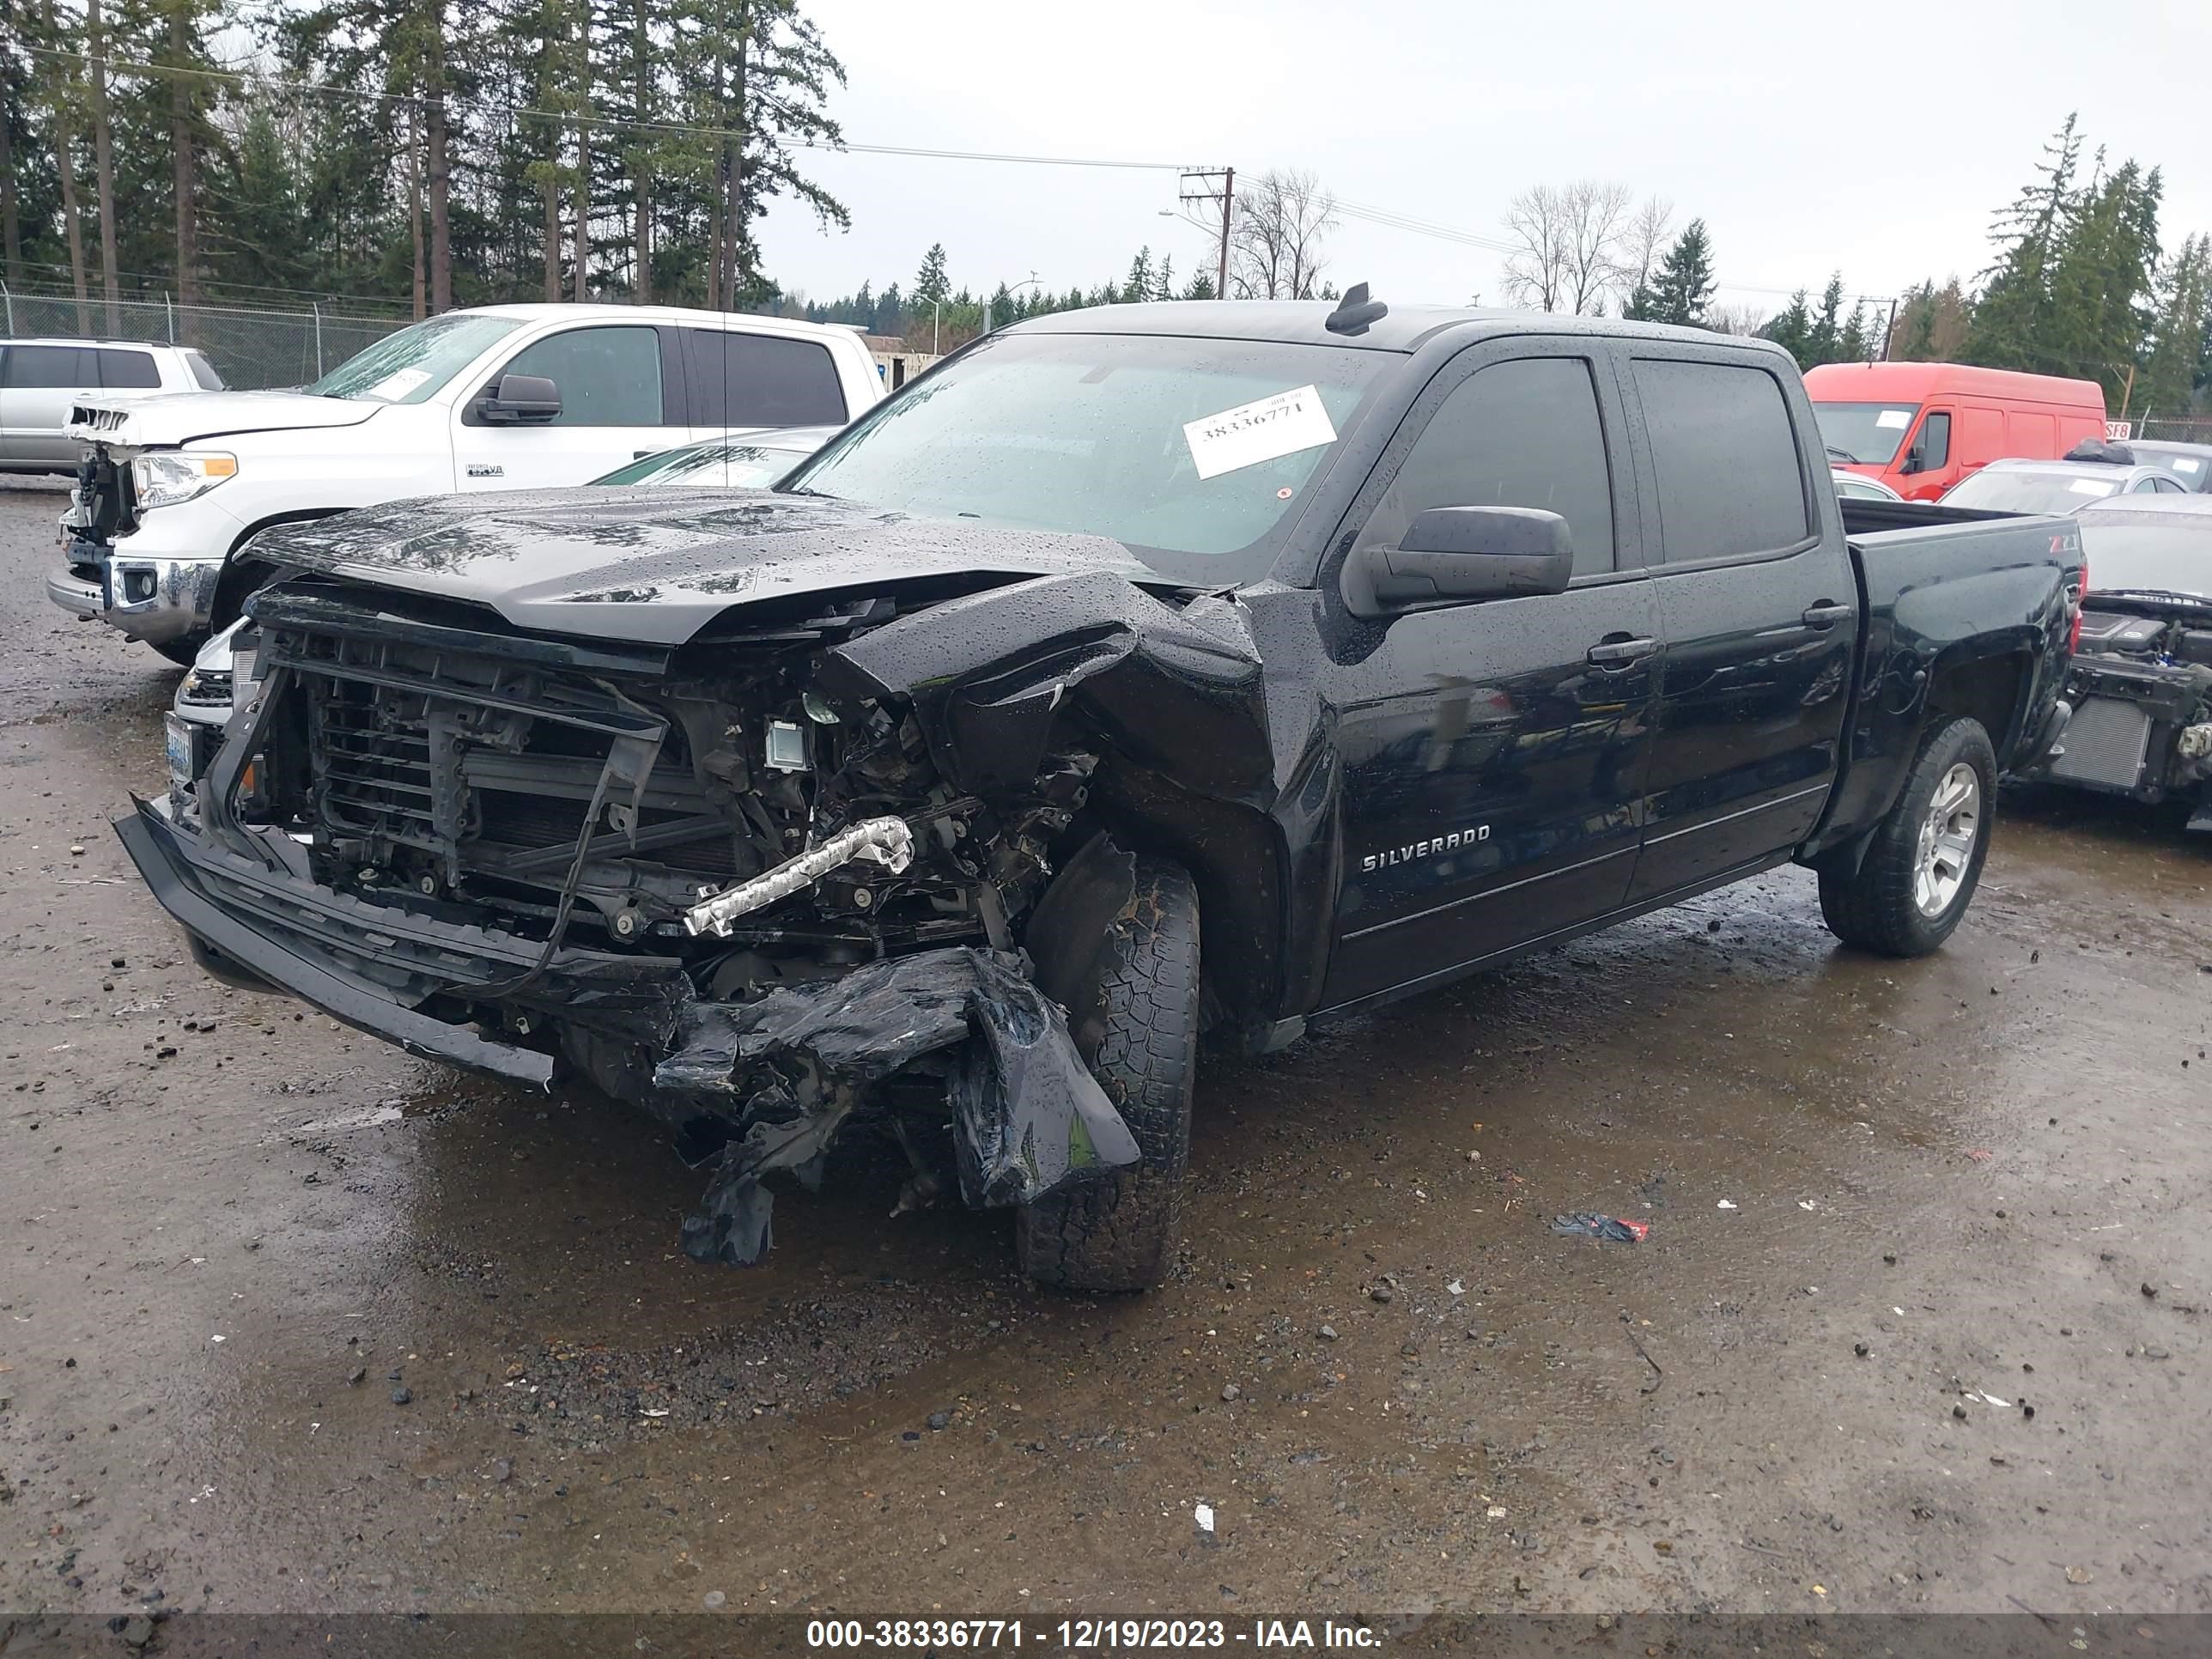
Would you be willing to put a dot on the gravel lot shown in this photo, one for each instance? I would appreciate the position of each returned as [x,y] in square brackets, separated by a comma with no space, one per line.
[290,1322]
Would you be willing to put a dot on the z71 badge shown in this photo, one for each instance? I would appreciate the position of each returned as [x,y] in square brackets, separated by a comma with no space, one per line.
[1413,850]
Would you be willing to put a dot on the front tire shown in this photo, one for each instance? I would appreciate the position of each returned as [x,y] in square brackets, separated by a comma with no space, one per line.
[1119,1231]
[1920,871]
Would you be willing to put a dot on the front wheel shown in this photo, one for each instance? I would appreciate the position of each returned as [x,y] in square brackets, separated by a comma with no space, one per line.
[1920,871]
[1118,1231]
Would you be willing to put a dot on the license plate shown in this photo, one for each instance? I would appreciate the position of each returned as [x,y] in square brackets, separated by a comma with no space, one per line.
[180,750]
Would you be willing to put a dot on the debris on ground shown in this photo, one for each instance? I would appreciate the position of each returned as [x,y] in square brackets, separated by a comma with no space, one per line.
[1588,1224]
[1725,1204]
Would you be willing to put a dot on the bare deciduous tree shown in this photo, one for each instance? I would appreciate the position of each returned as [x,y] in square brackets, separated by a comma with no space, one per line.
[1579,245]
[1275,242]
[1647,234]
[1746,320]
[1536,270]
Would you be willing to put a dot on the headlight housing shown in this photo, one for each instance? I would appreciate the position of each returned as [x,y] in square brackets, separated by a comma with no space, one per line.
[169,475]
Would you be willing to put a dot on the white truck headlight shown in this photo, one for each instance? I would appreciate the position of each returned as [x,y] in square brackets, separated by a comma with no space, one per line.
[167,476]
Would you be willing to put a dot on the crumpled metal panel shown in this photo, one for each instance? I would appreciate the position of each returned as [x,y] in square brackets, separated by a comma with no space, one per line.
[1029,1117]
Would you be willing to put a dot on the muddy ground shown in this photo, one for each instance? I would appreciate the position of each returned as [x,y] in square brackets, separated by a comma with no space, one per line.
[291,1322]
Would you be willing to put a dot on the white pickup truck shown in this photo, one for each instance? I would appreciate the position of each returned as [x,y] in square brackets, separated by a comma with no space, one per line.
[173,486]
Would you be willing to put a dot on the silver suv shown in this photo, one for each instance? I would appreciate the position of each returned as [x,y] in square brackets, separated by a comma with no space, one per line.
[40,379]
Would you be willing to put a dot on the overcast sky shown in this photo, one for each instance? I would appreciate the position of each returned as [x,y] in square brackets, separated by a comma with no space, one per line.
[1875,139]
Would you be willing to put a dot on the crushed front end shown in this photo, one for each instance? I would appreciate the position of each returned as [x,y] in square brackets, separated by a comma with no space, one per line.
[731,889]
[2141,691]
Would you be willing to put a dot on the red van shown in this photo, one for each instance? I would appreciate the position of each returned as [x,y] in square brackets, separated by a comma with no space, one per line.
[1920,428]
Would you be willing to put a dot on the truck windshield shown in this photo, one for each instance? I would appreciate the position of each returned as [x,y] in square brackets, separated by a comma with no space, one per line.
[1196,454]
[414,364]
[1866,432]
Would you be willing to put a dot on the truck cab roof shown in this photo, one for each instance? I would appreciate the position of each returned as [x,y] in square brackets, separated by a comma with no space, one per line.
[1401,328]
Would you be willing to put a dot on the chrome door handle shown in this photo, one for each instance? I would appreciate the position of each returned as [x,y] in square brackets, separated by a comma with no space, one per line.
[1609,654]
[1825,615]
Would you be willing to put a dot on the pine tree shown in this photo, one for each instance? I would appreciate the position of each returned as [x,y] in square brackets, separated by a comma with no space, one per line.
[1139,287]
[2014,310]
[931,284]
[1791,328]
[2183,332]
[1852,343]
[1202,287]
[1682,287]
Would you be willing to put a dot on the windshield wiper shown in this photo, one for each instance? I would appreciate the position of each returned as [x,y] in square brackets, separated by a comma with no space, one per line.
[1844,454]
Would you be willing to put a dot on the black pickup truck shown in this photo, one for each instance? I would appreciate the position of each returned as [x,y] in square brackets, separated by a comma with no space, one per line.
[1135,671]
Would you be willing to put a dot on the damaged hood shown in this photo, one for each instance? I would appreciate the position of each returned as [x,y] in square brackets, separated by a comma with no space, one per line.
[656,566]
[162,420]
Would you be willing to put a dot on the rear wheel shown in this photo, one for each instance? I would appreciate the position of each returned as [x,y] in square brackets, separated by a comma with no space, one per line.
[1919,874]
[1118,1232]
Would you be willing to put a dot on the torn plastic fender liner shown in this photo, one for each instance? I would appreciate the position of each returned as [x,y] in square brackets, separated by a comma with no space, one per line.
[988,673]
[1029,1118]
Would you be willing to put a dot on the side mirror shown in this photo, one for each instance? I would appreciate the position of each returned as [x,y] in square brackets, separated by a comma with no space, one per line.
[1914,459]
[1462,555]
[519,399]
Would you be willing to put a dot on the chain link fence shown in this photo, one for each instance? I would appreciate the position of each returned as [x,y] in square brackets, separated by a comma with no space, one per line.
[2189,429]
[253,348]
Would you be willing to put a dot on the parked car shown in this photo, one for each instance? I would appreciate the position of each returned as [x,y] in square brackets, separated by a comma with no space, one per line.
[1365,647]
[40,381]
[171,491]
[2055,486]
[2190,463]
[1920,428]
[2142,683]
[725,463]
[1858,487]
[201,704]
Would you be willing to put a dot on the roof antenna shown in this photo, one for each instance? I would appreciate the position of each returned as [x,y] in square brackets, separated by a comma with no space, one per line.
[1355,311]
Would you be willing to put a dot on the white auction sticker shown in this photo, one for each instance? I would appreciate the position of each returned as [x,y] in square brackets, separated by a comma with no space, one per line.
[1262,431]
[2183,464]
[2092,487]
[398,384]
[1895,417]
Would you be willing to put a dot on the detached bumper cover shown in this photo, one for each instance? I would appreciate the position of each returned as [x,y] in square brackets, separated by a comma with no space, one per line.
[1029,1118]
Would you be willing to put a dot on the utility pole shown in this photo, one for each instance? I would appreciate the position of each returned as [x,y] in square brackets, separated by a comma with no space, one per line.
[1198,185]
[1889,331]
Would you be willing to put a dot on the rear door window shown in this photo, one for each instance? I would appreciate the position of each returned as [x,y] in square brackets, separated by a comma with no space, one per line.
[45,368]
[741,380]
[1730,481]
[132,371]
[203,374]
[607,376]
[1525,433]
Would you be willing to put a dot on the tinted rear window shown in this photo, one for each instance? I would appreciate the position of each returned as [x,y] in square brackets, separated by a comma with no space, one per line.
[203,372]
[128,371]
[46,368]
[1729,482]
[741,380]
